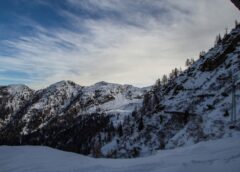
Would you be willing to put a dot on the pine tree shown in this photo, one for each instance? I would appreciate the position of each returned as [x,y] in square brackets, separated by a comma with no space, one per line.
[164,79]
[157,85]
[187,63]
[202,54]
[226,113]
[175,72]
[192,61]
[218,39]
[180,70]
[161,119]
[140,125]
[226,31]
[134,112]
[236,23]
[120,130]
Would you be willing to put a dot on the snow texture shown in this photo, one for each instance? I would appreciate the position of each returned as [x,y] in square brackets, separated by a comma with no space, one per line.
[220,156]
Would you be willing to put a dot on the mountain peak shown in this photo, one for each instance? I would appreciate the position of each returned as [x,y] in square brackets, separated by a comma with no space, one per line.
[104,83]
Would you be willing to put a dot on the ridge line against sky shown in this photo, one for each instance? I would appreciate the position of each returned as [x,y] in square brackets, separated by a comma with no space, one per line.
[119,41]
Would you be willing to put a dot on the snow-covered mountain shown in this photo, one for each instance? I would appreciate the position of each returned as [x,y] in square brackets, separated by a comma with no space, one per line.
[113,120]
[12,99]
[193,106]
[39,117]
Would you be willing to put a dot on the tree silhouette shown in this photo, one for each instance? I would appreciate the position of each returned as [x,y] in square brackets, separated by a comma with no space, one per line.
[141,125]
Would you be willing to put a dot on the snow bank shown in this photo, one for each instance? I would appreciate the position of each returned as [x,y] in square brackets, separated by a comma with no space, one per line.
[220,155]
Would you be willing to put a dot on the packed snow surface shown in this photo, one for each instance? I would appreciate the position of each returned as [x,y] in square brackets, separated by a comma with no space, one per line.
[219,155]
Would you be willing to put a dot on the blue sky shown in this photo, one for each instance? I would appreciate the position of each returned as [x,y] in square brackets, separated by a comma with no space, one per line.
[122,41]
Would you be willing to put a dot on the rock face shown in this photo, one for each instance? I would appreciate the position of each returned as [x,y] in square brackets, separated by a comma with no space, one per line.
[113,120]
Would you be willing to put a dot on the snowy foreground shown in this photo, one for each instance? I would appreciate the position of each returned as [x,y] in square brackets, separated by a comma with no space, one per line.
[220,156]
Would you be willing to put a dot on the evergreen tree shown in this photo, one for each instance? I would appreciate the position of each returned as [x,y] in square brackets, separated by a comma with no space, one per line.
[175,72]
[226,113]
[192,61]
[164,79]
[120,130]
[161,119]
[202,54]
[180,70]
[157,85]
[134,112]
[140,125]
[187,63]
[236,23]
[226,31]
[218,39]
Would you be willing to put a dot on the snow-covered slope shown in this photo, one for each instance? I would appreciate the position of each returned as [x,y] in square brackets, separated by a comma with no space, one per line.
[192,106]
[221,156]
[120,121]
[116,99]
[12,99]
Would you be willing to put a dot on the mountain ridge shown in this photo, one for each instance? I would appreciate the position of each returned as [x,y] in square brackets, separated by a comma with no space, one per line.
[119,121]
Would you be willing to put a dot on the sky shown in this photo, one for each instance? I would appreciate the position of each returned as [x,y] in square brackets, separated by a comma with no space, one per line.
[120,41]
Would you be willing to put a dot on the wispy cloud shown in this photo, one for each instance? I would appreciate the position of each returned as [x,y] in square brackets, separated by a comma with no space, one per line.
[117,41]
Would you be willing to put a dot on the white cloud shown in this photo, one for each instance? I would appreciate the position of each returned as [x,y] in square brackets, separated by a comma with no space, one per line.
[137,49]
